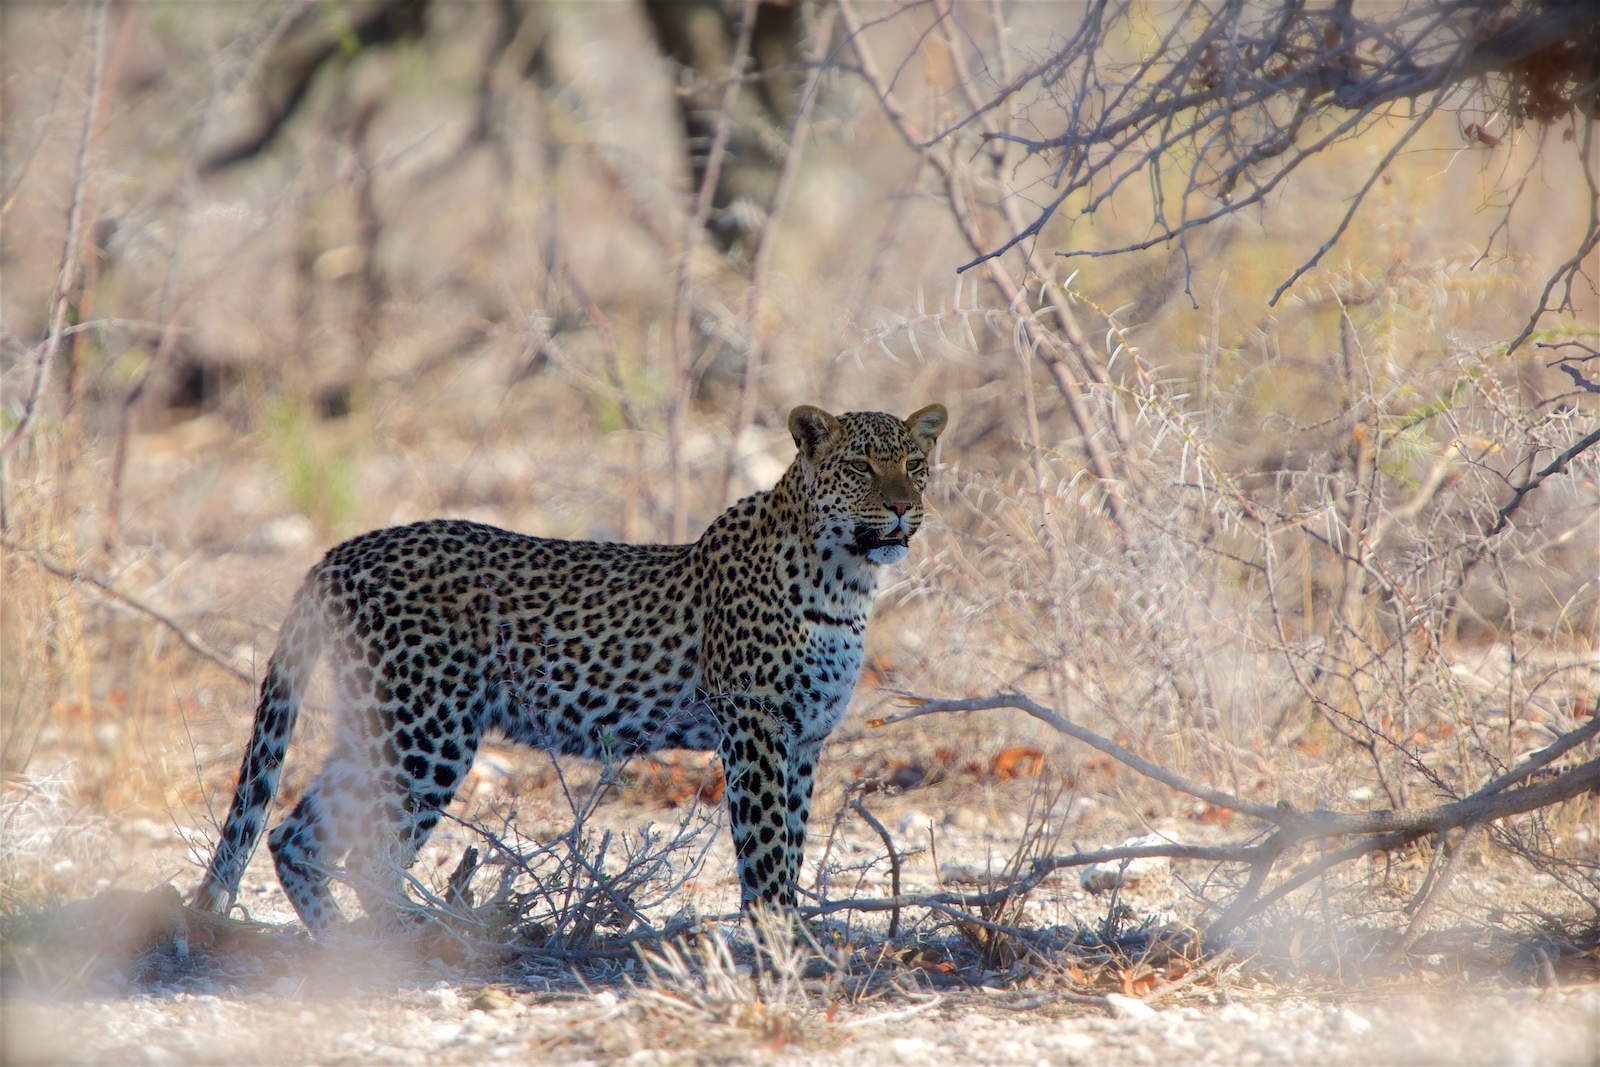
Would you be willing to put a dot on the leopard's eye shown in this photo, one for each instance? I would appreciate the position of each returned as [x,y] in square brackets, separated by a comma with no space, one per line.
[914,464]
[860,466]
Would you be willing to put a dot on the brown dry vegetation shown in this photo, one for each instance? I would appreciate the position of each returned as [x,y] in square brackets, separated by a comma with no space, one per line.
[1255,543]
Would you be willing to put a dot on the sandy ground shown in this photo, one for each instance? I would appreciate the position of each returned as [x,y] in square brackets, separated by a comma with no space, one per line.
[445,1022]
[367,1002]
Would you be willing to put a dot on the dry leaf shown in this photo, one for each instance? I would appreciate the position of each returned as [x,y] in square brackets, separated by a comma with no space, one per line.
[1019,762]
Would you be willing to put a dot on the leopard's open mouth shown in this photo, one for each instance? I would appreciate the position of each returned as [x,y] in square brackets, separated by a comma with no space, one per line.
[868,539]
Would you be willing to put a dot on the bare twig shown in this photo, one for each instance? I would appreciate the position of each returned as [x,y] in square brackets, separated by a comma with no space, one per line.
[683,370]
[766,240]
[72,574]
[894,859]
[1230,92]
[1556,466]
[1013,293]
[926,706]
[74,243]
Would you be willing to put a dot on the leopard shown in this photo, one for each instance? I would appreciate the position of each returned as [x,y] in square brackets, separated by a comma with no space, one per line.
[746,643]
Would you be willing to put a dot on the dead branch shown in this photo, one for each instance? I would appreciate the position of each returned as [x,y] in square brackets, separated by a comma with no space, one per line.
[1294,825]
[1039,870]
[894,859]
[1556,466]
[927,706]
[1431,894]
[1542,758]
[72,574]
[74,244]
[1233,99]
[1387,828]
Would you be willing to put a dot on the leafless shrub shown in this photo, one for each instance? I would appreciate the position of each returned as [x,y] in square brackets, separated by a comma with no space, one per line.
[45,839]
[584,890]
[1354,609]
[702,983]
[1215,108]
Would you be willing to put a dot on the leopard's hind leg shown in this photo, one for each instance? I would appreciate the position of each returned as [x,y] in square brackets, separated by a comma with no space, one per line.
[415,775]
[320,831]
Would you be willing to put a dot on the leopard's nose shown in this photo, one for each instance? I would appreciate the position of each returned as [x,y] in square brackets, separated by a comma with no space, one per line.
[899,507]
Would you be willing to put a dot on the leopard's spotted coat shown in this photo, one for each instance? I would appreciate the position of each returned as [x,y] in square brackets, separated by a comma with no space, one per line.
[746,643]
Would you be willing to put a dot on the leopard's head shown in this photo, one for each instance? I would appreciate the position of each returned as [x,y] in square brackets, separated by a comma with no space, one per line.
[865,473]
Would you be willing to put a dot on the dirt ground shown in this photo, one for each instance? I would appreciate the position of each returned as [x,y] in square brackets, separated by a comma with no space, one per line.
[440,1022]
[286,1000]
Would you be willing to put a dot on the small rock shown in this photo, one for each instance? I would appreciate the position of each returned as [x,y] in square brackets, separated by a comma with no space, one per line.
[968,819]
[1129,1009]
[961,874]
[1351,1023]
[1072,1043]
[444,1033]
[910,1050]
[284,532]
[1099,877]
[914,822]
[441,997]
[148,829]
[492,999]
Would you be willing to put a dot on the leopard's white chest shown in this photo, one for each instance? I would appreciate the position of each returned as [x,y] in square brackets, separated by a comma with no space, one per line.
[833,663]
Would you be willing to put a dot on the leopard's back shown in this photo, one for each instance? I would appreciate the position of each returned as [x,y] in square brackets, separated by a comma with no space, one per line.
[578,647]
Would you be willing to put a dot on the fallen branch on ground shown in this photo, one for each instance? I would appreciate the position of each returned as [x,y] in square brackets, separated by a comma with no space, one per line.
[1292,827]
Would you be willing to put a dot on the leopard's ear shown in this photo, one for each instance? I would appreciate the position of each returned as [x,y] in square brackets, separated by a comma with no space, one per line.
[927,424]
[813,429]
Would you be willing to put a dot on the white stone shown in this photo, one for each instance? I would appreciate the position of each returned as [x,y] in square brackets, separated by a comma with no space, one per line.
[914,822]
[1100,877]
[148,829]
[1353,1024]
[961,874]
[441,997]
[444,1033]
[910,1050]
[1071,1042]
[1129,1009]
[285,532]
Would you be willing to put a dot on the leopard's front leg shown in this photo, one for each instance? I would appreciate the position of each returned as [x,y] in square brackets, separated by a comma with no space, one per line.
[756,762]
[802,774]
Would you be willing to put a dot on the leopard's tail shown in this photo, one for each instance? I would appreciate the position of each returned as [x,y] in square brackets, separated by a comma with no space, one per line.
[288,671]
